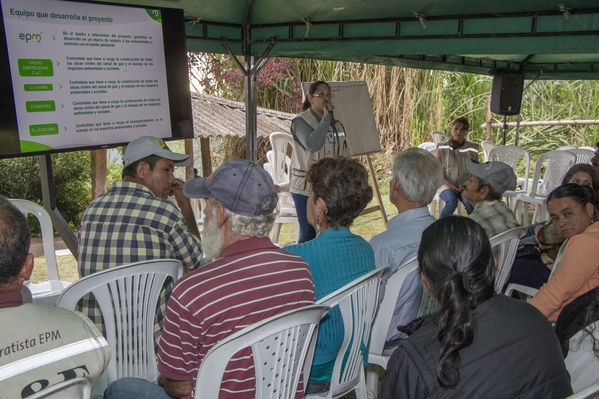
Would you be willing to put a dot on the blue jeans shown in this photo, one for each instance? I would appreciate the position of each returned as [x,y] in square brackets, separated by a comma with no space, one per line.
[134,388]
[306,230]
[451,203]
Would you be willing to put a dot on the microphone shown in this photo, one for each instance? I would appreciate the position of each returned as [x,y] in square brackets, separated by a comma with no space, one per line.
[326,103]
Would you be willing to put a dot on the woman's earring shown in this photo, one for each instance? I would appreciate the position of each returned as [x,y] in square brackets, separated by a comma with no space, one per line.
[317,226]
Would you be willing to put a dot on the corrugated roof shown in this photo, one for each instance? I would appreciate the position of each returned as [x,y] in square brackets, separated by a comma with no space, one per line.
[214,116]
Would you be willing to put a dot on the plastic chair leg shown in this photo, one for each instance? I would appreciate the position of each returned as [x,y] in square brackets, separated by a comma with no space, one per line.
[276,230]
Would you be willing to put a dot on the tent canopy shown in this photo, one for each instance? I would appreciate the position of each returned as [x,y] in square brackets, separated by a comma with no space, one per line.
[544,39]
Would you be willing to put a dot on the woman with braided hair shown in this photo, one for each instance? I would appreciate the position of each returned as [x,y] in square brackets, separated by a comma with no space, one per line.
[479,344]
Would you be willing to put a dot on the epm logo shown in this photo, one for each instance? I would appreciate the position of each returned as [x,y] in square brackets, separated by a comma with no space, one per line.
[35,37]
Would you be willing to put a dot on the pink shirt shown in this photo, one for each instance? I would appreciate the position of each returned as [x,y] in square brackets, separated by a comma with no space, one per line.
[576,273]
[252,280]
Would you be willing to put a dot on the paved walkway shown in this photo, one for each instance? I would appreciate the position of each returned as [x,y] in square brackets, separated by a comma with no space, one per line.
[36,247]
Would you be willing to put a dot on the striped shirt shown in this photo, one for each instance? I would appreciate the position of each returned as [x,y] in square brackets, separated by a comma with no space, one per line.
[251,281]
[129,224]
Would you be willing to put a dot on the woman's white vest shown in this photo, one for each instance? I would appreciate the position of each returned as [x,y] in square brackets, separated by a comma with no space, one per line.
[302,157]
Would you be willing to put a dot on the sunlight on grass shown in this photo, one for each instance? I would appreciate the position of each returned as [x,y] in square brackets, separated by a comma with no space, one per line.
[67,269]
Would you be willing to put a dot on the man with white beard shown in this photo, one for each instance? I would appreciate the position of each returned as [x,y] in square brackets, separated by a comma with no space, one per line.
[250,280]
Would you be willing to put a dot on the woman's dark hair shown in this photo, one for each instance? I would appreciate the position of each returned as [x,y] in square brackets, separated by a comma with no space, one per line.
[462,121]
[455,257]
[343,185]
[580,194]
[589,170]
[311,91]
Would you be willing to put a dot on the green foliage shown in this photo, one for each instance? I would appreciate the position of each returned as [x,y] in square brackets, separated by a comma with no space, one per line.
[20,178]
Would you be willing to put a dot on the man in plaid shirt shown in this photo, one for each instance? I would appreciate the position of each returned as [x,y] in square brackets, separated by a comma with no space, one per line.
[134,221]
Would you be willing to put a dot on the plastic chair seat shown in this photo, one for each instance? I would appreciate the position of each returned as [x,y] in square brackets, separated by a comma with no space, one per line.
[282,348]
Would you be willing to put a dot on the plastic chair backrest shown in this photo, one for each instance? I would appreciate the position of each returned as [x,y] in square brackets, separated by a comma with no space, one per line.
[487,147]
[280,162]
[590,392]
[74,388]
[558,163]
[504,247]
[357,302]
[127,296]
[439,137]
[382,320]
[428,146]
[281,346]
[582,155]
[511,155]
[28,207]
[566,148]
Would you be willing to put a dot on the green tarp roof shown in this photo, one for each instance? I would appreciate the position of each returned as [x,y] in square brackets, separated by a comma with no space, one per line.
[548,39]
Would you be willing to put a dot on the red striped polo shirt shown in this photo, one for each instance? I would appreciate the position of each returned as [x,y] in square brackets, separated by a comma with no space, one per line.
[252,280]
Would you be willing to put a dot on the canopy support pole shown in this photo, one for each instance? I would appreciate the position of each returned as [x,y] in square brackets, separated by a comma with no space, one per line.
[49,198]
[251,70]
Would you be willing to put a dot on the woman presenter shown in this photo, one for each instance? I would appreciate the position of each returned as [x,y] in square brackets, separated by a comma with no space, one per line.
[317,135]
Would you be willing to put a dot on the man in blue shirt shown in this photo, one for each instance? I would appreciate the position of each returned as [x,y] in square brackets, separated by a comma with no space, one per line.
[417,175]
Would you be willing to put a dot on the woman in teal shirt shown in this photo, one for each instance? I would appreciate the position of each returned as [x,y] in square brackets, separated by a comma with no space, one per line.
[339,192]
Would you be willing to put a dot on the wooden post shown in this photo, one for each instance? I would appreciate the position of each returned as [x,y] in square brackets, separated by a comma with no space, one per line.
[377,193]
[99,172]
[189,151]
[205,153]
[488,120]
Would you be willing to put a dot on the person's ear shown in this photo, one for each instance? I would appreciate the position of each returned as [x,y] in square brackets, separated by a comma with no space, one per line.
[222,216]
[26,270]
[484,191]
[321,207]
[142,170]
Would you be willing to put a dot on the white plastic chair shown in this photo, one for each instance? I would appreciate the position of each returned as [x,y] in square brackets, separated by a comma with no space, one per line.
[357,302]
[279,169]
[582,155]
[282,348]
[511,155]
[590,392]
[581,362]
[45,292]
[439,137]
[377,356]
[558,163]
[531,291]
[487,146]
[504,247]
[566,148]
[428,146]
[127,296]
[74,388]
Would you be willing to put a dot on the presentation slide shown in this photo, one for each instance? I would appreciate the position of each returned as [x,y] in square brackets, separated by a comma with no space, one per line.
[85,74]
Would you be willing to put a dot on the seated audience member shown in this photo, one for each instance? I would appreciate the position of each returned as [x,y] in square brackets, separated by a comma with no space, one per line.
[572,212]
[479,345]
[484,188]
[578,332]
[250,280]
[339,192]
[453,155]
[38,342]
[417,175]
[529,266]
[135,220]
